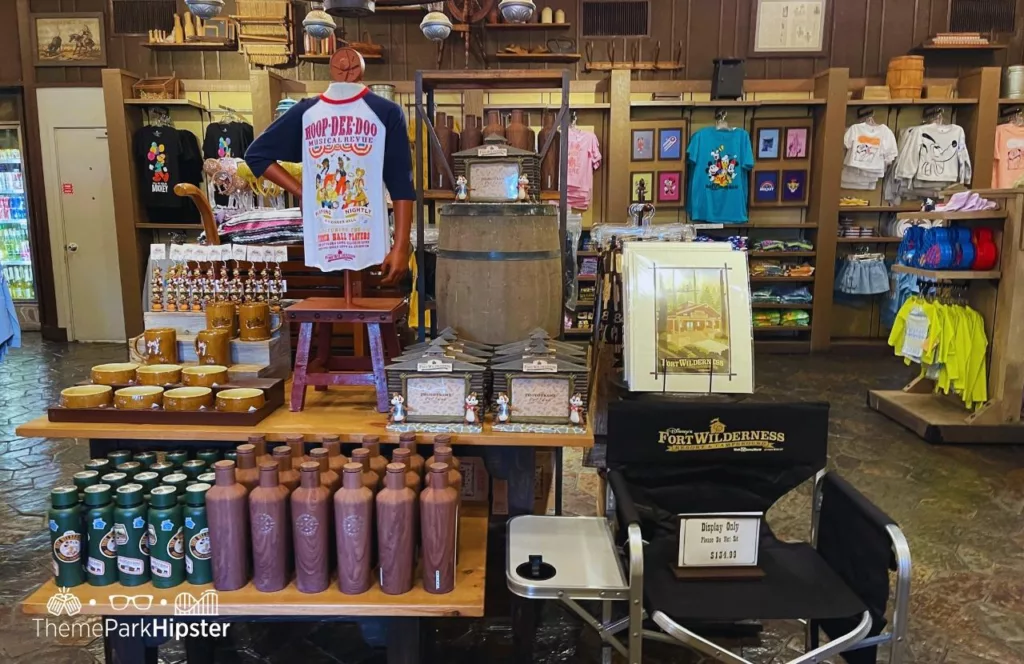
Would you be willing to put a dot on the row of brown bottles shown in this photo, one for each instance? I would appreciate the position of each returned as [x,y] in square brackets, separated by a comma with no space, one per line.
[282,528]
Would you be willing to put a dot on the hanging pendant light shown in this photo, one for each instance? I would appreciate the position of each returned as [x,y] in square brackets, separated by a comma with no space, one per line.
[517,11]
[319,24]
[436,26]
[205,9]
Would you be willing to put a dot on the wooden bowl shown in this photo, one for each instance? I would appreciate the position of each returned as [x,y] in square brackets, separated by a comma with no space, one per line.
[86,396]
[205,375]
[240,400]
[138,397]
[119,373]
[159,374]
[188,398]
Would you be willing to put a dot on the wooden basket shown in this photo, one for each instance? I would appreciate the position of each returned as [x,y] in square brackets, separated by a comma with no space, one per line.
[157,87]
[368,47]
[905,76]
[875,92]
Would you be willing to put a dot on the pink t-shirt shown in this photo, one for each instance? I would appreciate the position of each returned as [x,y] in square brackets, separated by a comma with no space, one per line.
[584,158]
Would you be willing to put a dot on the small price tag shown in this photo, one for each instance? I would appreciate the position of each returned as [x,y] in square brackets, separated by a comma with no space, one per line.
[284,285]
[225,252]
[203,253]
[255,254]
[238,252]
[157,252]
[177,252]
[719,540]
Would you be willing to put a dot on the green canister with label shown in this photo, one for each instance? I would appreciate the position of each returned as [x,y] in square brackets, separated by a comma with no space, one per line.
[114,480]
[193,469]
[66,537]
[210,456]
[117,457]
[178,458]
[131,536]
[101,466]
[166,538]
[148,479]
[130,468]
[208,478]
[198,566]
[162,468]
[179,481]
[147,459]
[101,564]
[230,455]
[84,478]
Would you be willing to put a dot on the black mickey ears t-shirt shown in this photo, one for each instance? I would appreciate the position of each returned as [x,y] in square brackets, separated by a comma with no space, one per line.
[165,156]
[227,139]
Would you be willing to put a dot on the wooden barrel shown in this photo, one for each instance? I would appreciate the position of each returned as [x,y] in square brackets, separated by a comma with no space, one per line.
[499,270]
[905,77]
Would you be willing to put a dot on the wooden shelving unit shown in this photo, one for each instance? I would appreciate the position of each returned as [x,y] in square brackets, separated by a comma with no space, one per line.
[169,227]
[781,254]
[947,275]
[955,101]
[781,280]
[171,103]
[190,46]
[875,239]
[875,209]
[781,305]
[781,328]
[956,216]
[537,58]
[527,26]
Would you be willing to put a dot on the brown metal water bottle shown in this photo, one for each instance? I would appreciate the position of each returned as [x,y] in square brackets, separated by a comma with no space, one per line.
[311,515]
[396,508]
[228,517]
[371,480]
[332,443]
[287,475]
[407,441]
[271,531]
[439,513]
[328,477]
[377,462]
[353,527]
[246,472]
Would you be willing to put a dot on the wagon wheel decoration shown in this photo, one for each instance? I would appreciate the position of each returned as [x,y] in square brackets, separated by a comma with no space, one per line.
[469,11]
[347,66]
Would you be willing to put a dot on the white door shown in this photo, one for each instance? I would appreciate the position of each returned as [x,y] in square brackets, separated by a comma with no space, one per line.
[90,242]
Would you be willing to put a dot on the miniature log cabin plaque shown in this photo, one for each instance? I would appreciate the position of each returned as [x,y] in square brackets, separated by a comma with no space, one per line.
[545,395]
[493,171]
[430,392]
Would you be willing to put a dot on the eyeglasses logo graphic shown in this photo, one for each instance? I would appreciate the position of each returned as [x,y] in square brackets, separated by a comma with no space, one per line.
[187,604]
[122,602]
[63,602]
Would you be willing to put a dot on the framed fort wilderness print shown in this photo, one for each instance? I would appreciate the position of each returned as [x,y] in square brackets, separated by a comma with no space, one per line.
[68,39]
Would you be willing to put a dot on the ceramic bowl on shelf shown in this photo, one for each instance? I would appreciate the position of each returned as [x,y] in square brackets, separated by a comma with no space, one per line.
[86,396]
[319,24]
[159,374]
[517,11]
[118,373]
[204,375]
[188,398]
[240,400]
[205,8]
[138,397]
[436,26]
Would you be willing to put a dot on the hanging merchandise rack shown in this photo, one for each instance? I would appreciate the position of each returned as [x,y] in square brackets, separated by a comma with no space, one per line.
[998,295]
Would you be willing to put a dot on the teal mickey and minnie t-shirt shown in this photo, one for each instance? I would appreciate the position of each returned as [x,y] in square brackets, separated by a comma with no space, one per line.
[720,165]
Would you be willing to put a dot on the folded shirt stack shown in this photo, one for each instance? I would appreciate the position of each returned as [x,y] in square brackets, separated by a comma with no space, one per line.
[265,226]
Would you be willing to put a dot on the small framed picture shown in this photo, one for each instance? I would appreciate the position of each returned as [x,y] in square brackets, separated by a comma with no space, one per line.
[796,143]
[766,186]
[670,144]
[794,186]
[642,182]
[669,186]
[643,144]
[768,143]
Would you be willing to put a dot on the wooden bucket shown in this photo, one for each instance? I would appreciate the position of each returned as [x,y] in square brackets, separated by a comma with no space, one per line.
[905,76]
[499,270]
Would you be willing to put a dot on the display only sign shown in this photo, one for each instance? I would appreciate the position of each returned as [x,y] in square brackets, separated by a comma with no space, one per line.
[719,540]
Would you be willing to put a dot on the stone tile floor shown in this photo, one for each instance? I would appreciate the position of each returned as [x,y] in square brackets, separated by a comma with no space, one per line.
[961,508]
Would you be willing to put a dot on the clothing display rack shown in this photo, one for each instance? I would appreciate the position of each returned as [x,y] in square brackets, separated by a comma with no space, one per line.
[998,295]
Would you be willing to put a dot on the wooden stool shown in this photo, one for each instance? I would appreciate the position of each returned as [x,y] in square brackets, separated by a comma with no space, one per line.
[380,316]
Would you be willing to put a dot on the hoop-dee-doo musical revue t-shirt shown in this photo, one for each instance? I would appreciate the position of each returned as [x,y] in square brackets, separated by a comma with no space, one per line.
[351,149]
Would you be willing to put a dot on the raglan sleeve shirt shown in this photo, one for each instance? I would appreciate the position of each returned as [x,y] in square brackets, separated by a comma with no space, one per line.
[282,140]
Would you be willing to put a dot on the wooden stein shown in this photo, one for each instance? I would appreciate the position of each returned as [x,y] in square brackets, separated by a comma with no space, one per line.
[161,345]
[254,322]
[221,316]
[213,347]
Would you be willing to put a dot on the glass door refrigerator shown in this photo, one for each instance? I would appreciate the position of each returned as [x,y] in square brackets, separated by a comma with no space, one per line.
[16,253]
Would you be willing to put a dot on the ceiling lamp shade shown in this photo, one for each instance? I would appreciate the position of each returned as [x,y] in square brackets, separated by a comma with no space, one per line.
[319,24]
[517,11]
[436,26]
[350,8]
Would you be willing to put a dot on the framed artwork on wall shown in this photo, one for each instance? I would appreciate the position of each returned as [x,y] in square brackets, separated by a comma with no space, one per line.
[766,186]
[68,39]
[643,144]
[794,186]
[789,28]
[669,186]
[670,144]
[768,143]
[796,142]
[641,181]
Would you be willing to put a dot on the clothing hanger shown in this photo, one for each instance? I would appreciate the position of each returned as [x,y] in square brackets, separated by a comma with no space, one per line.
[720,119]
[572,123]
[934,115]
[1014,116]
[867,114]
[230,115]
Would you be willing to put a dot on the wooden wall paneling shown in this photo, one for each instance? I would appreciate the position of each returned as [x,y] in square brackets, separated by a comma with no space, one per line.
[10,48]
[979,121]
[618,144]
[830,121]
[131,251]
[266,88]
[38,219]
